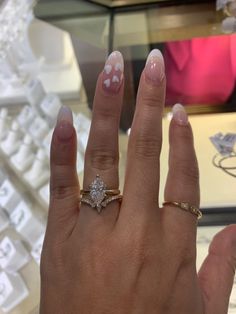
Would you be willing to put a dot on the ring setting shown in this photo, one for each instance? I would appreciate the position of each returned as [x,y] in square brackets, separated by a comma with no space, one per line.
[187,207]
[98,196]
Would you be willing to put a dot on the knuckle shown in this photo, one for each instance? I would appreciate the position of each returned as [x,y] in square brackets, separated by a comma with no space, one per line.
[189,172]
[60,192]
[103,159]
[152,99]
[147,147]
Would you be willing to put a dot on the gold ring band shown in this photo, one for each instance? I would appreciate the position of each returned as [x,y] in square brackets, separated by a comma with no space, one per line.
[187,207]
[108,192]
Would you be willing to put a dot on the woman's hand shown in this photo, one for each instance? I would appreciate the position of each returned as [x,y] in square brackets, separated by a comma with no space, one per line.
[134,257]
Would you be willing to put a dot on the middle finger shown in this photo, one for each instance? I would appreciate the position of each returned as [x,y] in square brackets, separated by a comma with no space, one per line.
[142,173]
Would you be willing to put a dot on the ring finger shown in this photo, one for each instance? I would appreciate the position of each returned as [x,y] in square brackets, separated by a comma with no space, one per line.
[102,153]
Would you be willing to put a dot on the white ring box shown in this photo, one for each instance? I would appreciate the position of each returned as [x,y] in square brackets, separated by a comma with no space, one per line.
[47,142]
[82,125]
[39,173]
[35,93]
[9,197]
[82,141]
[24,158]
[3,123]
[26,223]
[37,249]
[26,117]
[4,221]
[44,192]
[38,129]
[12,291]
[51,106]
[80,162]
[12,142]
[13,255]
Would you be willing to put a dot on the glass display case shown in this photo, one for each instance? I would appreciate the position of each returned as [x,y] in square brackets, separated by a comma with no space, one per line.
[56,61]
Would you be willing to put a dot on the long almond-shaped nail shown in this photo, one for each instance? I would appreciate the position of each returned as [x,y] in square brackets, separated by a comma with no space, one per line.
[155,68]
[64,127]
[179,115]
[113,73]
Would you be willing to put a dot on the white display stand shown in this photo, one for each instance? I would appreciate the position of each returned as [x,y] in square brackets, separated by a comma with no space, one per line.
[47,142]
[3,123]
[38,174]
[82,126]
[35,93]
[12,142]
[28,225]
[24,158]
[37,249]
[13,255]
[9,197]
[45,193]
[38,130]
[12,291]
[50,106]
[80,162]
[26,117]
[4,221]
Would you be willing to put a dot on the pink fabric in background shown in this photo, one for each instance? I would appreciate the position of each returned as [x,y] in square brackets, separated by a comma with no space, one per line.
[201,70]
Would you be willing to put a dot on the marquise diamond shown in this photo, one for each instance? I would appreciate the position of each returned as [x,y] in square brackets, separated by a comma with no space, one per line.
[97,191]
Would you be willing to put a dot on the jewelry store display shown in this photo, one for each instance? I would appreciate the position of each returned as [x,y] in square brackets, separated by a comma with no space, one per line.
[13,255]
[229,9]
[13,290]
[12,142]
[4,221]
[24,158]
[3,123]
[38,174]
[98,196]
[225,145]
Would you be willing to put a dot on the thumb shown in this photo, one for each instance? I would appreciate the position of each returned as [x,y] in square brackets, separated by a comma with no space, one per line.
[216,275]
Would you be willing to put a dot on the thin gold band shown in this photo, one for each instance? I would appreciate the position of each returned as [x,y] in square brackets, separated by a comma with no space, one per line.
[107,192]
[187,207]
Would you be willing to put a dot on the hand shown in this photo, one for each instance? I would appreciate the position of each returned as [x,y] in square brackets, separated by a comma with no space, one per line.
[134,257]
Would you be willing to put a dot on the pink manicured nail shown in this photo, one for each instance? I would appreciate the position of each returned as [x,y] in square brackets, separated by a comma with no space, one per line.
[64,127]
[113,73]
[155,67]
[180,115]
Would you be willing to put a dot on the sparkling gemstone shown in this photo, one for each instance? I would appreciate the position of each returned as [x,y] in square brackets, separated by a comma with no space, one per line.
[97,191]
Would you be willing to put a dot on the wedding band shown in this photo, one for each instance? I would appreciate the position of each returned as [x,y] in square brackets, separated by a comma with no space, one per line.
[108,192]
[97,196]
[187,207]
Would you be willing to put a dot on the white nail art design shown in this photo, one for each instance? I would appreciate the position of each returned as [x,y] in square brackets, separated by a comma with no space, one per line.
[108,69]
[107,83]
[118,67]
[115,79]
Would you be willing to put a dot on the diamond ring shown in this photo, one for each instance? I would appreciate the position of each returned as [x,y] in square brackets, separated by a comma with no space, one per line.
[97,196]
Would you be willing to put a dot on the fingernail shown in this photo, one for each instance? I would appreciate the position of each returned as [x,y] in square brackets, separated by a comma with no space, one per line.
[64,127]
[155,68]
[179,115]
[113,73]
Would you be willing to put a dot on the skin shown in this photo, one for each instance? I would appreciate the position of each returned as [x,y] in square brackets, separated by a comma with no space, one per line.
[133,258]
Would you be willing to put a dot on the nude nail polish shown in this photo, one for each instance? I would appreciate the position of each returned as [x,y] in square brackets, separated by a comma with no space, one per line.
[113,73]
[155,68]
[179,115]
[65,114]
[64,127]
